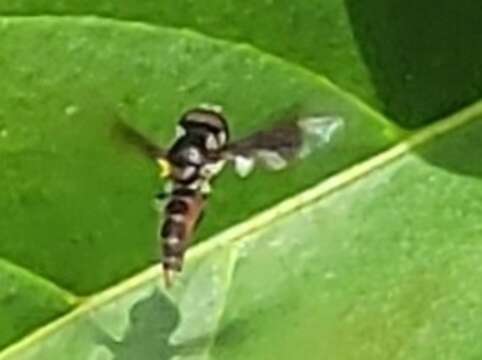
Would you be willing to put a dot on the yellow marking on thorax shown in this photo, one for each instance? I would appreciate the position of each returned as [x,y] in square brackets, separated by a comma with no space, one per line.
[165,168]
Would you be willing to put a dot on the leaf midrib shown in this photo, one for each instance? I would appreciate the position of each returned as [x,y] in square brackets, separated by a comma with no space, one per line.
[242,233]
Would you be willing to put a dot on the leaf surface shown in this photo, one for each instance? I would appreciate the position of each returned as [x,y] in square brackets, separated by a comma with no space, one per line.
[377,259]
[315,34]
[415,62]
[353,268]
[77,200]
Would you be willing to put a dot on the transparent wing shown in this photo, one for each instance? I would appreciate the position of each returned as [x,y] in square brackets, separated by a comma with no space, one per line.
[318,131]
[275,148]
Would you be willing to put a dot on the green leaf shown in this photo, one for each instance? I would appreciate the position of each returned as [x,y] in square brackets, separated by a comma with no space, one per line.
[376,260]
[315,33]
[77,201]
[26,301]
[424,57]
[415,61]
[355,267]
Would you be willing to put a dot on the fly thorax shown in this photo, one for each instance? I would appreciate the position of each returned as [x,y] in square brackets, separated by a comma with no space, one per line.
[187,173]
[212,169]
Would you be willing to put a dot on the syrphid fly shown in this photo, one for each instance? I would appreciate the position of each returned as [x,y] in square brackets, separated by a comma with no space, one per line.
[201,150]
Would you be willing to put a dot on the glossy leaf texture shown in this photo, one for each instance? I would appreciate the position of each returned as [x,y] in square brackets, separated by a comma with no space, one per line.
[356,267]
[366,249]
[315,33]
[414,61]
[77,201]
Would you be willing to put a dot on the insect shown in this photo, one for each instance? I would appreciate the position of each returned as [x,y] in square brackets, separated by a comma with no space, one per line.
[199,153]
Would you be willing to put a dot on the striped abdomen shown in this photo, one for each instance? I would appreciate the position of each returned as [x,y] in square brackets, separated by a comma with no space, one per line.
[182,213]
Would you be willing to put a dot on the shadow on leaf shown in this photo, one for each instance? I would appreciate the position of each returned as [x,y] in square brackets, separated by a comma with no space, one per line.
[151,324]
[424,59]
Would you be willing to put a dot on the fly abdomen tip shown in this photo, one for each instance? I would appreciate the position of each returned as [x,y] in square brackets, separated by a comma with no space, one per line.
[172,263]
